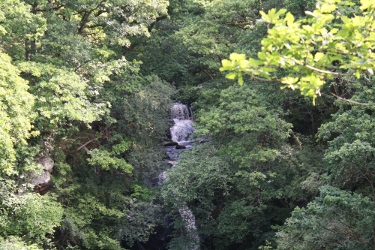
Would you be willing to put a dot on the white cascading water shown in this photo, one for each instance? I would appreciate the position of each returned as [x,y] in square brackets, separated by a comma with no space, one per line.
[189,219]
[180,132]
[183,125]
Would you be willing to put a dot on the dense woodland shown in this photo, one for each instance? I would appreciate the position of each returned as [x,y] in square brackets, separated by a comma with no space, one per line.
[282,92]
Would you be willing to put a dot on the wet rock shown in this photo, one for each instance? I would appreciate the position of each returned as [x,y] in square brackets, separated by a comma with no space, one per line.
[43,178]
[180,147]
[169,143]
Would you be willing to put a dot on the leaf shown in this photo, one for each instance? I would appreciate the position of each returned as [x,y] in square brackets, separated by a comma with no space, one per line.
[264,16]
[290,81]
[240,79]
[227,65]
[367,4]
[289,18]
[272,15]
[281,11]
[310,13]
[254,62]
[318,56]
[231,75]
[237,57]
[358,74]
[244,64]
[328,8]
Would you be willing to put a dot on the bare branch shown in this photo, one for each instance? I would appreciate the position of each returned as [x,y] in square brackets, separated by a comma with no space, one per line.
[84,145]
[351,101]
[318,70]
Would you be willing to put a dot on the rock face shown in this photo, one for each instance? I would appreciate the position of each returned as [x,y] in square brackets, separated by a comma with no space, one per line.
[180,147]
[170,143]
[42,180]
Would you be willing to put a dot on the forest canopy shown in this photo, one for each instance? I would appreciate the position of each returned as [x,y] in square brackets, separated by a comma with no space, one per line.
[313,50]
[86,91]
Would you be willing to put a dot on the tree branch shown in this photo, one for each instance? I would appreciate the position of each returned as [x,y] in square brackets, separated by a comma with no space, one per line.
[351,101]
[239,24]
[86,15]
[318,70]
[84,145]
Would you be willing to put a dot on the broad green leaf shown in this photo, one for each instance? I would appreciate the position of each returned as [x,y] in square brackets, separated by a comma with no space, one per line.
[327,8]
[289,18]
[254,62]
[231,75]
[240,79]
[367,5]
[281,12]
[264,16]
[226,65]
[358,74]
[318,56]
[244,64]
[237,57]
[290,81]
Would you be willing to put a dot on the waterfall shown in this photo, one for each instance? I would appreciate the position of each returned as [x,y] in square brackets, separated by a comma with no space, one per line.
[180,132]
[180,111]
[183,125]
[189,220]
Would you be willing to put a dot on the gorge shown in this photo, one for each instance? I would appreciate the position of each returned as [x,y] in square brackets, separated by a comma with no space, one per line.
[181,130]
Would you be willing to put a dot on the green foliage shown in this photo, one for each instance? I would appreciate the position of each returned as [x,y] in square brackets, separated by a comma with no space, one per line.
[349,157]
[213,33]
[108,21]
[62,95]
[234,206]
[245,113]
[124,152]
[14,243]
[142,218]
[90,224]
[164,55]
[16,114]
[29,215]
[19,26]
[66,96]
[83,83]
[203,181]
[107,161]
[247,177]
[313,50]
[142,193]
[335,220]
[298,8]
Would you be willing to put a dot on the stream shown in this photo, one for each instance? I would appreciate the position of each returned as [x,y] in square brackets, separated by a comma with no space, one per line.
[180,133]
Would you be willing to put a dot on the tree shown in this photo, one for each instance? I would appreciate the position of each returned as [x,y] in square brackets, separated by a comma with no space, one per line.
[29,216]
[336,219]
[65,82]
[247,178]
[16,115]
[327,50]
[322,47]
[22,29]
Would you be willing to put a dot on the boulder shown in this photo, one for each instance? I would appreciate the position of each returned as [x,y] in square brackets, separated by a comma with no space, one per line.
[44,176]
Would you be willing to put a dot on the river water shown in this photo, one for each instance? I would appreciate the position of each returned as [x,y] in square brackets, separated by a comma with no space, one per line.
[180,132]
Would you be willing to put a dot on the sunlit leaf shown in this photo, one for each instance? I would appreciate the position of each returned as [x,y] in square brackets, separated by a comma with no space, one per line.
[318,56]
[231,75]
[237,57]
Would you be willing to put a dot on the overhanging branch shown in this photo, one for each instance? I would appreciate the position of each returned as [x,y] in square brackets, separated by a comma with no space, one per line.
[351,101]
